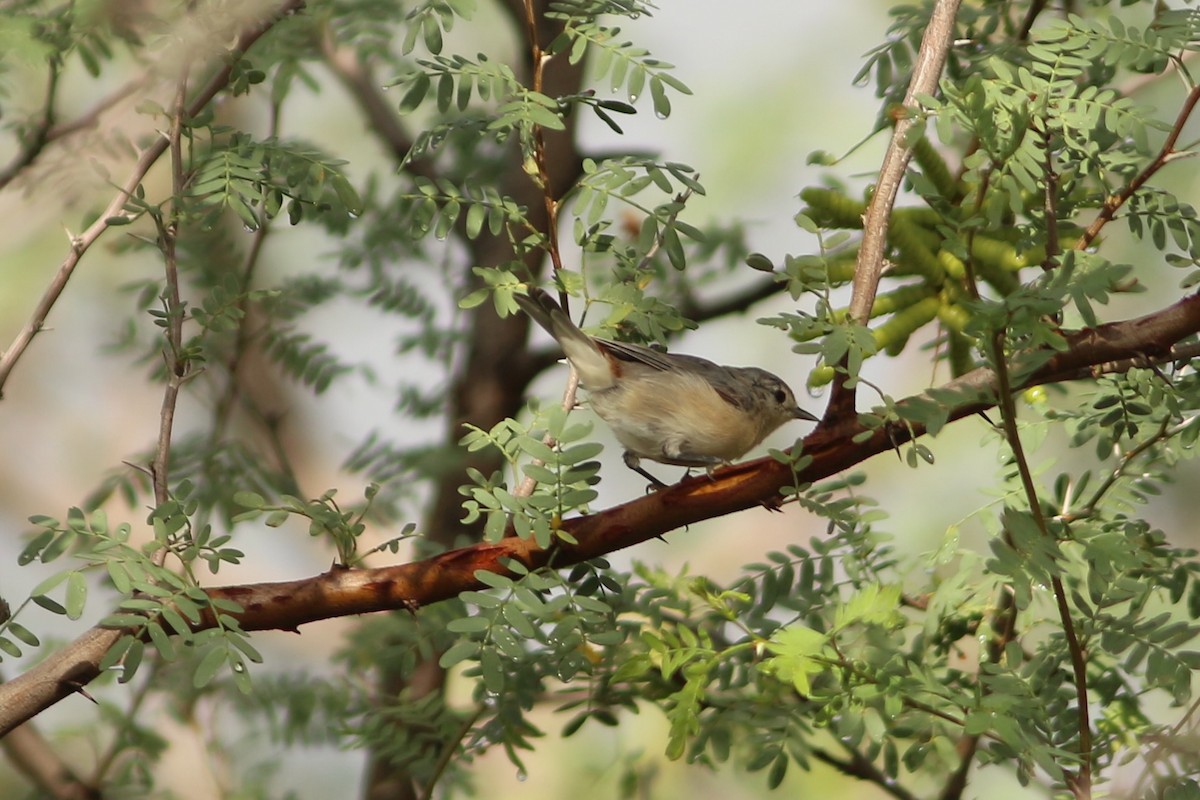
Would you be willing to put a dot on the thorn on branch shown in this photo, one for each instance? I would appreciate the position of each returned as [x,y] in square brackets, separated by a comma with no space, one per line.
[78,688]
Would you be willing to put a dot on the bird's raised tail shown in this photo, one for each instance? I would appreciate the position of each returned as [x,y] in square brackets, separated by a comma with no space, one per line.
[595,370]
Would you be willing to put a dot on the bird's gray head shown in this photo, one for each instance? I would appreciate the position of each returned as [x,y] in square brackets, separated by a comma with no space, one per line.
[774,399]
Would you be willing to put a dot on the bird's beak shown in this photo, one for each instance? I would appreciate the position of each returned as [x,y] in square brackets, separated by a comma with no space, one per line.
[800,413]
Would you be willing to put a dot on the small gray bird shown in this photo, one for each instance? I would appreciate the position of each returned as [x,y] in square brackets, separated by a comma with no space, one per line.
[674,409]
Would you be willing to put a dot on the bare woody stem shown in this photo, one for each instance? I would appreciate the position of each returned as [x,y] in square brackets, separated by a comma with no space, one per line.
[175,363]
[539,58]
[931,58]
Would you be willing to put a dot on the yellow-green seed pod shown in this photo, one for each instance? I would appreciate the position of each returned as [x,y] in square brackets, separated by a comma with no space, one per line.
[935,168]
[832,209]
[841,268]
[821,376]
[953,316]
[899,299]
[913,255]
[892,335]
[1035,396]
[924,216]
[959,351]
[952,264]
[1003,282]
[992,253]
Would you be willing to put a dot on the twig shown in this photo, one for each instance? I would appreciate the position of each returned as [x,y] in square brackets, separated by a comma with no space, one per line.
[91,117]
[32,756]
[360,82]
[1164,433]
[1031,15]
[1008,414]
[176,364]
[538,59]
[731,304]
[489,381]
[568,402]
[1161,747]
[450,750]
[1165,155]
[1050,199]
[935,45]
[1081,783]
[858,766]
[37,138]
[81,243]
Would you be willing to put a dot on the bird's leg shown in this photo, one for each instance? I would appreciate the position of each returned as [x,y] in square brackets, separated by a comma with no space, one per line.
[635,464]
[708,470]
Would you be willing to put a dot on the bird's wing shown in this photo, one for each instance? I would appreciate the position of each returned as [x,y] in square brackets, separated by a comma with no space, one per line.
[656,359]
[627,351]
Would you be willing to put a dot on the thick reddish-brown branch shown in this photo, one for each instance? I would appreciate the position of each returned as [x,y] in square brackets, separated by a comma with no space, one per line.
[341,592]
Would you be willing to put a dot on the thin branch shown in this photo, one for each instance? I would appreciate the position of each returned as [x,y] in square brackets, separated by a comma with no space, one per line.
[91,117]
[344,592]
[568,402]
[450,749]
[1031,15]
[36,139]
[1164,433]
[1050,200]
[115,209]
[79,245]
[931,58]
[490,379]
[551,203]
[538,60]
[1080,784]
[32,756]
[858,766]
[62,783]
[1162,749]
[1165,155]
[176,364]
[733,303]
[382,118]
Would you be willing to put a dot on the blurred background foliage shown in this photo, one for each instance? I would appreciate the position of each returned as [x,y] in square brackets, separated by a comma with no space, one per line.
[324,267]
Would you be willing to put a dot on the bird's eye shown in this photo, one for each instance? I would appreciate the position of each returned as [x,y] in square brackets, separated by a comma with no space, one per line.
[780,396]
